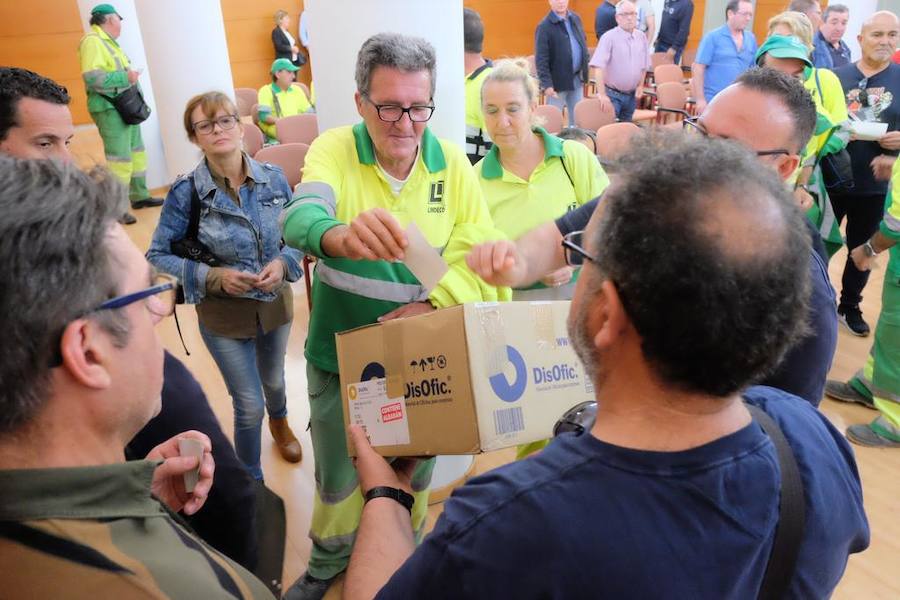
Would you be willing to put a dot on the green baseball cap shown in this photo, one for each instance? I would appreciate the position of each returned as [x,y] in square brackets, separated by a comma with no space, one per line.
[283,64]
[784,46]
[105,9]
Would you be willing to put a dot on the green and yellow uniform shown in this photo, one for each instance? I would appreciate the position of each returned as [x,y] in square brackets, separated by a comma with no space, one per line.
[831,112]
[342,179]
[274,101]
[568,177]
[478,142]
[879,380]
[96,532]
[104,68]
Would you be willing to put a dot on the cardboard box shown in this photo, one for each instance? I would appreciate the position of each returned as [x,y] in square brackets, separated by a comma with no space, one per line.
[462,380]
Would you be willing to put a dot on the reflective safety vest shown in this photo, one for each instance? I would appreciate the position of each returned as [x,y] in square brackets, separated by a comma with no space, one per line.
[104,68]
[478,142]
[342,179]
[279,103]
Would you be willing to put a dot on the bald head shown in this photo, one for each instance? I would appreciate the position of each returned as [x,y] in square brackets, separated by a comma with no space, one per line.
[878,39]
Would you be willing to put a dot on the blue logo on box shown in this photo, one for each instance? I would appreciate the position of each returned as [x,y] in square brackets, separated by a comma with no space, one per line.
[506,391]
[373,370]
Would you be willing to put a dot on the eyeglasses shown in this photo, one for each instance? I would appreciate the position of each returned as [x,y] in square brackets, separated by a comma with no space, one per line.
[391,113]
[577,419]
[863,91]
[160,299]
[572,249]
[693,125]
[225,122]
[626,14]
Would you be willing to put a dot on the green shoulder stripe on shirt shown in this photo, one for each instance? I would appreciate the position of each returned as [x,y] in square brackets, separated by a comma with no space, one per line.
[432,153]
[490,164]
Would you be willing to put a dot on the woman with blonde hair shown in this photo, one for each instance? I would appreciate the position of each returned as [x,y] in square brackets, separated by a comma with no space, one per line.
[831,136]
[227,210]
[530,176]
[285,44]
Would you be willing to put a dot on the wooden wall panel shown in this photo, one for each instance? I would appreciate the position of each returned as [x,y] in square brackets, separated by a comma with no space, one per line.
[44,38]
[510,24]
[248,32]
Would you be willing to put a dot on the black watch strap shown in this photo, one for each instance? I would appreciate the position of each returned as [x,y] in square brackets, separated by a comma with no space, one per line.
[393,493]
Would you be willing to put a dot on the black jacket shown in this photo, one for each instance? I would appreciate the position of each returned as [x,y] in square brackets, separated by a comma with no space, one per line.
[283,47]
[553,53]
[675,25]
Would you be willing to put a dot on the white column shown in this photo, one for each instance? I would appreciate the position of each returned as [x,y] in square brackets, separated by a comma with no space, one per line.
[860,10]
[335,41]
[187,55]
[133,44]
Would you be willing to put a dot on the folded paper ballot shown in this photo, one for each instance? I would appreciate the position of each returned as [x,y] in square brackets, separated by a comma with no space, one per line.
[422,259]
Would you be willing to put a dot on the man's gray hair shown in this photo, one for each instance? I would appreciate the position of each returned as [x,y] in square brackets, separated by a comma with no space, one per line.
[54,223]
[621,6]
[395,51]
[834,8]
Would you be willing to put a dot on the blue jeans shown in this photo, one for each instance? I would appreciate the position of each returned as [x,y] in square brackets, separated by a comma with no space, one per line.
[662,47]
[253,370]
[623,103]
[569,99]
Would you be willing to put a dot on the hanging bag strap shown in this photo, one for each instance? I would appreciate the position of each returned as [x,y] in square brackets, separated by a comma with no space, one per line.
[791,513]
[193,230]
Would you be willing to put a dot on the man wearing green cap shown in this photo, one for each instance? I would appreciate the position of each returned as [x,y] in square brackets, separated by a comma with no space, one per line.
[107,72]
[792,57]
[281,98]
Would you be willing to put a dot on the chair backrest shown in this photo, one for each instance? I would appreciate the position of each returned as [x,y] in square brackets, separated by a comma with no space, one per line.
[668,72]
[303,87]
[253,139]
[254,113]
[661,58]
[589,114]
[245,99]
[552,117]
[289,157]
[613,140]
[671,94]
[297,128]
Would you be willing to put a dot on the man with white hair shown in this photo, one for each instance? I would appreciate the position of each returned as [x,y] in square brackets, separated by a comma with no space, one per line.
[620,61]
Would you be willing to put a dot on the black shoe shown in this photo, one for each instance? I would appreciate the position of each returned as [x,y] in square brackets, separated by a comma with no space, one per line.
[844,392]
[146,203]
[851,318]
[127,219]
[308,588]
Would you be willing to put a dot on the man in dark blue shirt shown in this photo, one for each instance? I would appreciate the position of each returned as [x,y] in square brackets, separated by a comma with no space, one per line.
[605,18]
[768,112]
[830,50]
[675,27]
[674,491]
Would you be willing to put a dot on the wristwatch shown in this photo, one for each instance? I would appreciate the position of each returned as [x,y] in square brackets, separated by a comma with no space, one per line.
[394,494]
[868,249]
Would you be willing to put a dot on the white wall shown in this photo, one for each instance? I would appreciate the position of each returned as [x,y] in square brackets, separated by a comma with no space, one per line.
[860,10]
[335,40]
[187,55]
[132,43]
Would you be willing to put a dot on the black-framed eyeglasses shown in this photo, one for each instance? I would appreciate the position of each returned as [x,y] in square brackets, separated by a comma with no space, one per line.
[573,249]
[693,125]
[863,91]
[391,113]
[225,122]
[160,299]
[577,419]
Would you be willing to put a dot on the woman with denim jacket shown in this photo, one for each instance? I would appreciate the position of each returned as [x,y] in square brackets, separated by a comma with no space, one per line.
[244,306]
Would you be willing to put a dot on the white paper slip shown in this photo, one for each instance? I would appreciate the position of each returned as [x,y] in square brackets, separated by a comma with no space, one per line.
[384,419]
[869,131]
[191,447]
[422,259]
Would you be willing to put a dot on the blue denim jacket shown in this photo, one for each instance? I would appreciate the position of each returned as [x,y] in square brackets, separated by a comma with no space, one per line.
[246,237]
